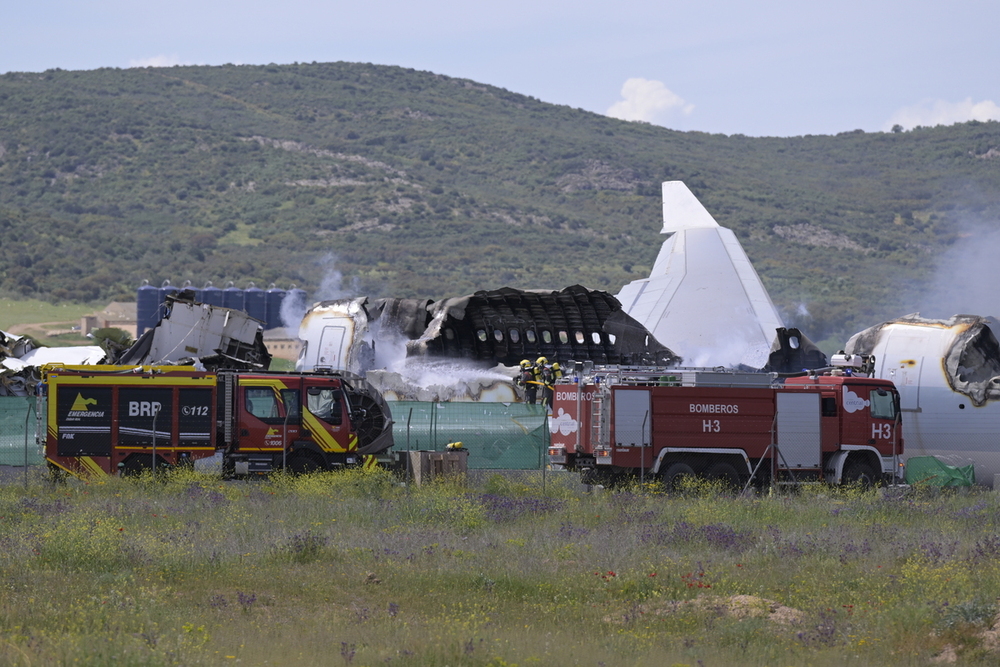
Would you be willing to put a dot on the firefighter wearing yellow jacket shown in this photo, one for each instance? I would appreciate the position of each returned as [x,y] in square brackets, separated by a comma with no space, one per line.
[525,379]
[547,374]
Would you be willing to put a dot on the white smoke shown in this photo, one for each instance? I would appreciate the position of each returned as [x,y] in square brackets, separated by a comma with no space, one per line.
[963,282]
[390,346]
[428,372]
[729,353]
[331,287]
[292,312]
[442,377]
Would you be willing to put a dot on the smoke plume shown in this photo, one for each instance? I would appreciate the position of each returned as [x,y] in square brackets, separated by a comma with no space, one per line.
[963,281]
[331,287]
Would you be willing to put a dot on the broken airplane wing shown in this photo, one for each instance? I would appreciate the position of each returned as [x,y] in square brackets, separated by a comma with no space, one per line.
[703,299]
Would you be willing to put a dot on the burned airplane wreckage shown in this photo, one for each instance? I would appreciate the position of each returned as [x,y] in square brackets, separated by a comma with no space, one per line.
[190,333]
[704,299]
[495,327]
[200,334]
[965,345]
[502,327]
[507,325]
[947,372]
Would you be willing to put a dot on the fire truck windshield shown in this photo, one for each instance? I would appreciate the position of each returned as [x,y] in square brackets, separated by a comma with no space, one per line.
[883,404]
[261,402]
[325,404]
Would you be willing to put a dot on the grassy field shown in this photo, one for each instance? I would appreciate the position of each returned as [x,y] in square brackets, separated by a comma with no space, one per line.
[31,311]
[356,569]
[47,322]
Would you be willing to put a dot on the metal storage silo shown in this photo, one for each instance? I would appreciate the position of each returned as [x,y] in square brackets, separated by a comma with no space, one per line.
[232,297]
[210,294]
[272,306]
[253,302]
[147,306]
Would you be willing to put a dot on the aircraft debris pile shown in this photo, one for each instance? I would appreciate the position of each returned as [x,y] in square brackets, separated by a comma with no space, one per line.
[190,333]
[199,334]
[23,356]
[792,352]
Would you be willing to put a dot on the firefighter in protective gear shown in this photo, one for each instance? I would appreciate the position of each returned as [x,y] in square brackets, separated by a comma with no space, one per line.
[526,378]
[547,374]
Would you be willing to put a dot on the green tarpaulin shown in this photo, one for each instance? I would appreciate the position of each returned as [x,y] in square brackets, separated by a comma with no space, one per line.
[932,472]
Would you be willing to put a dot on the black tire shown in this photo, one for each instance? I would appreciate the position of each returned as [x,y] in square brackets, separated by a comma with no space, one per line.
[675,473]
[590,477]
[137,464]
[303,464]
[860,472]
[726,474]
[57,475]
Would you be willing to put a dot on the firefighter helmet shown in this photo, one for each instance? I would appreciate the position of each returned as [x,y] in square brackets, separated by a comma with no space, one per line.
[541,361]
[525,363]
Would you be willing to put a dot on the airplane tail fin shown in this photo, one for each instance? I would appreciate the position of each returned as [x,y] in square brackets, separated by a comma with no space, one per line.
[682,210]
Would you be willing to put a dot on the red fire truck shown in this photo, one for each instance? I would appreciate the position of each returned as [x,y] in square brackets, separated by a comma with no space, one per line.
[727,426]
[106,420]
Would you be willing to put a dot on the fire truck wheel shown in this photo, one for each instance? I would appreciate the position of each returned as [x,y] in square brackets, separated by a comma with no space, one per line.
[303,463]
[675,473]
[137,464]
[725,474]
[858,471]
[57,475]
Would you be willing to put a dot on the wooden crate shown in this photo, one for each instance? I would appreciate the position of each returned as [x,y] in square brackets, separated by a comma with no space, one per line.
[426,465]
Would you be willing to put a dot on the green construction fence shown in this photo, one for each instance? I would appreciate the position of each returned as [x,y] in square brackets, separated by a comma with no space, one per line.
[499,436]
[19,424]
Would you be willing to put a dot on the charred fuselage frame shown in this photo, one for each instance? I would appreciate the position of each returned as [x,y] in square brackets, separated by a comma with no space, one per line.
[507,325]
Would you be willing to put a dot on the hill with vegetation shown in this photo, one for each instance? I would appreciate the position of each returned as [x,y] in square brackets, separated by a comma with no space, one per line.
[417,184]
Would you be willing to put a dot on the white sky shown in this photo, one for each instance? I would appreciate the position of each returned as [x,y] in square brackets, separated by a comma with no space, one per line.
[778,68]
